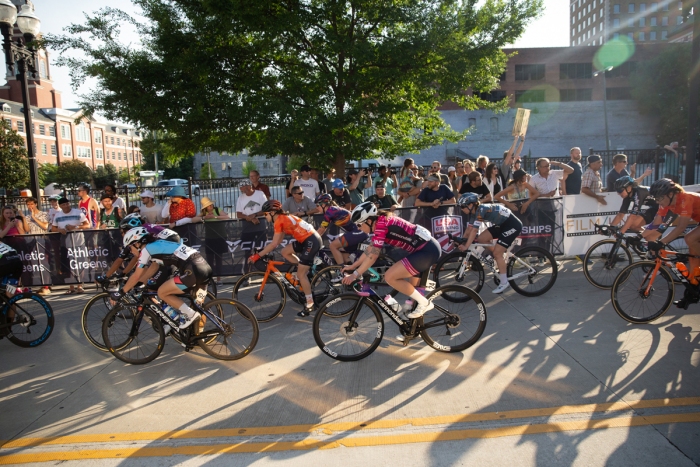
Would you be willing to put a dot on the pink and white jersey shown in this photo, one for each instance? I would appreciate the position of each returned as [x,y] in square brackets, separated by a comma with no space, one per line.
[399,233]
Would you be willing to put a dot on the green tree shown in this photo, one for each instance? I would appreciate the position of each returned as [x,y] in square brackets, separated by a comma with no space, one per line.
[14,165]
[247,166]
[327,81]
[205,173]
[72,173]
[47,174]
[105,176]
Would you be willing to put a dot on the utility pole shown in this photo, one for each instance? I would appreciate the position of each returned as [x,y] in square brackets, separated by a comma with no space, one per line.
[691,146]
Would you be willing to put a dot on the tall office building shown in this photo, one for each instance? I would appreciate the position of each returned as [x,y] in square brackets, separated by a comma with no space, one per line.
[594,22]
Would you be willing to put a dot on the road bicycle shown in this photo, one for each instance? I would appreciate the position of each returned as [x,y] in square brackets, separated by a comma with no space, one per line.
[531,271]
[350,326]
[643,291]
[26,319]
[134,330]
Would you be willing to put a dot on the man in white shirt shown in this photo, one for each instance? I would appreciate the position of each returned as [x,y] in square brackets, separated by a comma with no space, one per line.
[547,181]
[248,207]
[149,209]
[308,184]
[68,220]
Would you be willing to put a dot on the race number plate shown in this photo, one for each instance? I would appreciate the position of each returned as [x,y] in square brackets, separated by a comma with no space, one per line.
[362,246]
[517,241]
[11,289]
[200,295]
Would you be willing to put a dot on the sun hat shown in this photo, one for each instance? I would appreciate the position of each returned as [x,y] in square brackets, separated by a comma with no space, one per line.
[206,202]
[177,191]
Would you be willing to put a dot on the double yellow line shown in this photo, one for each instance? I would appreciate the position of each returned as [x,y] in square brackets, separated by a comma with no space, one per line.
[27,455]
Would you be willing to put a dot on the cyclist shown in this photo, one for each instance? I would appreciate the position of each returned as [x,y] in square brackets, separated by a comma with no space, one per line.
[672,197]
[505,227]
[11,267]
[193,270]
[349,241]
[423,249]
[637,202]
[307,244]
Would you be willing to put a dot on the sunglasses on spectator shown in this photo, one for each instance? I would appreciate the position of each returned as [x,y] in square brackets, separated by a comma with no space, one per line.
[297,192]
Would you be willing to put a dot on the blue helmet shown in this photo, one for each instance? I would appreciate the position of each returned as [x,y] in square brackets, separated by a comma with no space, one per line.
[623,182]
[468,198]
[132,220]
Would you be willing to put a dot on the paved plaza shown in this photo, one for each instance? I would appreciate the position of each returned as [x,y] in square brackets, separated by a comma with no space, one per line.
[554,380]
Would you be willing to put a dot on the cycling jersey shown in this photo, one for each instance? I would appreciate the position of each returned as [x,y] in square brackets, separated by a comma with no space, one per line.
[686,205]
[340,217]
[495,214]
[399,233]
[638,199]
[10,263]
[7,250]
[292,225]
[167,253]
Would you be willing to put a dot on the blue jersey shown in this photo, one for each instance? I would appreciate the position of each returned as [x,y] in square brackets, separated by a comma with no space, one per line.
[158,232]
[167,253]
[495,214]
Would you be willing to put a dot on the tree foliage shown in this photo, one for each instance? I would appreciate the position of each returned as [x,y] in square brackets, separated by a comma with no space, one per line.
[47,174]
[247,166]
[72,173]
[14,165]
[326,81]
[205,173]
[105,175]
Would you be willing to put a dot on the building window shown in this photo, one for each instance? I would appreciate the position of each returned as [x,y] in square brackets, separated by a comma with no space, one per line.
[472,123]
[98,153]
[630,36]
[82,133]
[616,8]
[493,96]
[652,21]
[616,23]
[572,95]
[679,20]
[642,7]
[9,122]
[652,35]
[53,149]
[654,7]
[6,108]
[529,72]
[593,16]
[67,150]
[664,21]
[44,149]
[98,136]
[119,156]
[622,71]
[532,95]
[112,139]
[664,35]
[42,69]
[118,142]
[630,22]
[618,94]
[630,8]
[494,124]
[52,131]
[20,126]
[575,70]
[84,153]
[642,36]
[665,4]
[642,22]
[42,129]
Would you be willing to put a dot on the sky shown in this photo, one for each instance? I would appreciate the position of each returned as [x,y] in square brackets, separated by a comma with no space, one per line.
[550,30]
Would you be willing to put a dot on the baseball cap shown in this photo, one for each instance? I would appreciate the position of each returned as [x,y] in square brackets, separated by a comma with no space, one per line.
[63,200]
[451,169]
[379,185]
[147,194]
[433,178]
[338,183]
[593,158]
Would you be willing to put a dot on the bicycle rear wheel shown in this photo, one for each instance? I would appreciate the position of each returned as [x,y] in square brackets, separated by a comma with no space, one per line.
[350,337]
[635,300]
[323,287]
[601,266]
[32,319]
[539,282]
[132,336]
[457,321]
[230,330]
[93,314]
[445,272]
[266,304]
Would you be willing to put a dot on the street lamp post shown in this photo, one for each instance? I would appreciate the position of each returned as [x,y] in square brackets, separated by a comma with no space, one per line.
[208,150]
[605,104]
[25,58]
[229,170]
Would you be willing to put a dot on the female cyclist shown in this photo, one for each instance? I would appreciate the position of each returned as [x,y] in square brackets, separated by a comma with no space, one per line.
[307,244]
[505,227]
[341,217]
[424,251]
[637,202]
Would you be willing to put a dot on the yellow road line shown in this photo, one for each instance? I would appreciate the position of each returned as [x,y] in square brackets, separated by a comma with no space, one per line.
[330,428]
[309,444]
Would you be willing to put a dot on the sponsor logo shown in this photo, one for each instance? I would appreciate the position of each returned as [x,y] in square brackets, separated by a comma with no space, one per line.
[389,311]
[534,229]
[333,302]
[511,232]
[379,331]
[482,312]
[330,352]
[444,348]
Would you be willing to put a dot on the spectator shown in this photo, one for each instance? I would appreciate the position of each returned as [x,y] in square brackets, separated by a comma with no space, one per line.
[619,170]
[10,223]
[340,195]
[254,177]
[386,178]
[299,204]
[475,185]
[149,209]
[434,196]
[481,163]
[517,190]
[406,170]
[509,157]
[591,184]
[452,177]
[672,165]
[89,206]
[517,165]
[292,180]
[248,208]
[54,209]
[381,198]
[411,188]
[316,175]
[215,234]
[492,180]
[357,183]
[459,174]
[109,216]
[435,168]
[328,181]
[133,209]
[467,167]
[69,220]
[547,181]
[572,181]
[36,222]
[308,184]
[117,202]
[179,210]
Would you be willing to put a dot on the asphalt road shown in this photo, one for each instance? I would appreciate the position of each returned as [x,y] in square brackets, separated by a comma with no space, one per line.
[555,380]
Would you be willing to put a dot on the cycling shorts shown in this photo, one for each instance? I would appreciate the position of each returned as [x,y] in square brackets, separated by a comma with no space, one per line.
[350,240]
[161,276]
[306,250]
[507,232]
[195,272]
[11,266]
[652,207]
[423,259]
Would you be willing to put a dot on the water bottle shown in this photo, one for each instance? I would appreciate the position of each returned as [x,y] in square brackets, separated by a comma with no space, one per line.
[171,312]
[393,304]
[682,269]
[292,279]
[407,306]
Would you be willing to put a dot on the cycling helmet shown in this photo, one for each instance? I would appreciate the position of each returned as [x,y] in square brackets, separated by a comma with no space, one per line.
[323,198]
[661,187]
[271,206]
[132,220]
[134,235]
[364,211]
[623,182]
[468,198]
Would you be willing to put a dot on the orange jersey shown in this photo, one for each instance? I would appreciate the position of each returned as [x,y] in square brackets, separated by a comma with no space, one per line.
[292,225]
[686,205]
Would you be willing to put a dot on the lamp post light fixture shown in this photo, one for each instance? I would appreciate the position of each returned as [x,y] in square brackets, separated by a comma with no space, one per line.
[22,55]
[605,104]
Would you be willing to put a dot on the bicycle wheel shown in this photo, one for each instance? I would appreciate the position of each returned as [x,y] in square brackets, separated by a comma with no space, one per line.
[230,330]
[94,313]
[635,300]
[601,265]
[272,298]
[353,336]
[539,282]
[32,319]
[446,272]
[322,285]
[134,337]
[455,323]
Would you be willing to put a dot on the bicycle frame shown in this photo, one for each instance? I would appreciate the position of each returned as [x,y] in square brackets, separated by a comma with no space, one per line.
[490,262]
[663,260]
[271,268]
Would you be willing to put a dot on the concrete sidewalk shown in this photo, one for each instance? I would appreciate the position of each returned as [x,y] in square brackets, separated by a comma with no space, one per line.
[558,379]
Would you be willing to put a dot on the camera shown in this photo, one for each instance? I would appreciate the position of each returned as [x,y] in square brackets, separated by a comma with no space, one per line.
[392,171]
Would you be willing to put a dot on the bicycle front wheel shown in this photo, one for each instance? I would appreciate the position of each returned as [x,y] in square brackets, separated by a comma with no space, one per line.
[457,321]
[447,272]
[604,261]
[267,302]
[91,320]
[640,296]
[532,284]
[132,336]
[230,330]
[352,336]
[30,317]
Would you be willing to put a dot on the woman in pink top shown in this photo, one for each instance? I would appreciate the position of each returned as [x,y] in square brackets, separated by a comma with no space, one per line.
[10,224]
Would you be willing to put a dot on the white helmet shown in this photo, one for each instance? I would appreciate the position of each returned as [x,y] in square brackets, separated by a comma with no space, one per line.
[364,211]
[134,235]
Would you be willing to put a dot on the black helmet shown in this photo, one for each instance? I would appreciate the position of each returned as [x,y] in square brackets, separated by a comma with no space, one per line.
[271,206]
[132,220]
[661,188]
[623,182]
